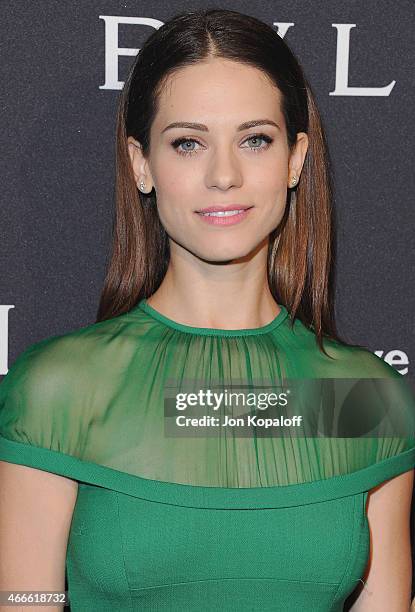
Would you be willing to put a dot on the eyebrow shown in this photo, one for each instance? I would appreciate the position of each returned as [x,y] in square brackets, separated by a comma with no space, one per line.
[200,126]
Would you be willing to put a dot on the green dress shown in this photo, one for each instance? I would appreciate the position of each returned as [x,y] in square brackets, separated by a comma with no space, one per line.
[199,518]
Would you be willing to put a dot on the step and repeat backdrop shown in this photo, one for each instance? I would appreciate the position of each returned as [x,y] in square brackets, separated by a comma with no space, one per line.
[63,66]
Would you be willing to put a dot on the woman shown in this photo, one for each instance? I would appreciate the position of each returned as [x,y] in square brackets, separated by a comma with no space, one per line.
[219,278]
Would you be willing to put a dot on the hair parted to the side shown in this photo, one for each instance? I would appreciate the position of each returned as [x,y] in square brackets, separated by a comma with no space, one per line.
[300,256]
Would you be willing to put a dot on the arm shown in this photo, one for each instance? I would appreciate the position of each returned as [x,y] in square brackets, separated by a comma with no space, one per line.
[388,574]
[35,516]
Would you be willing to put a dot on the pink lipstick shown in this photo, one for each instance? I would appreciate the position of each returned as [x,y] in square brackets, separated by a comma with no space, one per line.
[224,215]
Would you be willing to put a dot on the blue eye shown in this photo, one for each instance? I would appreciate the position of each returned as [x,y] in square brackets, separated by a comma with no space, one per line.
[264,137]
[187,151]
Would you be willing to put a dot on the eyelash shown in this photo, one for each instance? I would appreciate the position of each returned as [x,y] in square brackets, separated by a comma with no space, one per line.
[176,143]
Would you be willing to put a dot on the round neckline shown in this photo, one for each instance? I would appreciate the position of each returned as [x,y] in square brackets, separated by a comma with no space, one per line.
[213,331]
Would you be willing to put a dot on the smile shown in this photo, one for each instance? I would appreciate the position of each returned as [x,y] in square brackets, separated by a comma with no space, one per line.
[224,217]
[222,213]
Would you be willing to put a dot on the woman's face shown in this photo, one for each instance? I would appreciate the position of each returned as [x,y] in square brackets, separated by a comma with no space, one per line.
[220,162]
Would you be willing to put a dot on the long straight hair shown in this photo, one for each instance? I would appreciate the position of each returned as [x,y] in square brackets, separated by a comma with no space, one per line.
[300,254]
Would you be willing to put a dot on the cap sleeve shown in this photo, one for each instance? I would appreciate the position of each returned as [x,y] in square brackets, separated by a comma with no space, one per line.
[39,414]
[376,418]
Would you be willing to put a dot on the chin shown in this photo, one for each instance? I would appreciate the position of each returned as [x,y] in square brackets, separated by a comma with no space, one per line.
[224,255]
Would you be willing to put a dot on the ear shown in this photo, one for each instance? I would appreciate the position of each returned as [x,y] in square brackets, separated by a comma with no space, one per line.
[139,164]
[297,157]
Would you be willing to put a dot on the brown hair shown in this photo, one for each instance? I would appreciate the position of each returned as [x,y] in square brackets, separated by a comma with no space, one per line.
[300,252]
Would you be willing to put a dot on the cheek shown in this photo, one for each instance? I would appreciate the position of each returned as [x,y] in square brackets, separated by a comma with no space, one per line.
[174,203]
[270,173]
[178,192]
[174,179]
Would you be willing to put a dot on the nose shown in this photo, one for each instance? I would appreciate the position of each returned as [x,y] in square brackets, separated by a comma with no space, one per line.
[224,170]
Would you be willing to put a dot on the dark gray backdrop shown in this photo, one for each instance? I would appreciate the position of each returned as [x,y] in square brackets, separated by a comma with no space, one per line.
[57,162]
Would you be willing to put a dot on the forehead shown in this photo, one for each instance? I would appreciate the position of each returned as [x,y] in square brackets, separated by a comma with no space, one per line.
[218,91]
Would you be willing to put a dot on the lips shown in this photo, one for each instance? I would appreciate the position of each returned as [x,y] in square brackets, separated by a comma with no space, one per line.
[219,208]
[225,218]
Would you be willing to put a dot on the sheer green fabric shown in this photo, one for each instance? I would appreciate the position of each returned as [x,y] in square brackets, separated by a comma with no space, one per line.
[171,521]
[98,394]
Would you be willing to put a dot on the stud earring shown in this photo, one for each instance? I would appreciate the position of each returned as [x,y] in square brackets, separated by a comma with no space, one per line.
[293,181]
[142,186]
